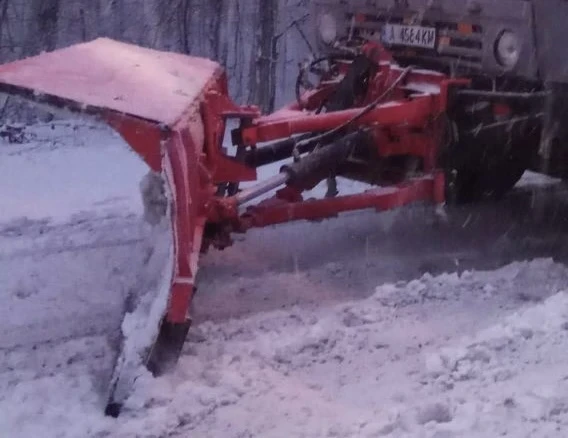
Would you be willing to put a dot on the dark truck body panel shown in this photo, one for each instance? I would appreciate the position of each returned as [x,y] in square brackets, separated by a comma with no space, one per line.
[551,31]
[541,28]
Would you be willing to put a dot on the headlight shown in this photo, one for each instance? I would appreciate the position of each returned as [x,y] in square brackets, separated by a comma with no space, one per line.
[508,49]
[327,27]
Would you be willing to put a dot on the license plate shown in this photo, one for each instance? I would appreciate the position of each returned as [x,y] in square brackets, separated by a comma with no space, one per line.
[414,36]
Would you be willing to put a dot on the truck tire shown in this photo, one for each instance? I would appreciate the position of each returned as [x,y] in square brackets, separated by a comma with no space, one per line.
[488,165]
[490,172]
[492,181]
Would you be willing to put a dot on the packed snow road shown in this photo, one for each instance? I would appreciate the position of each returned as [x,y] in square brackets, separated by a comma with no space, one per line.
[396,324]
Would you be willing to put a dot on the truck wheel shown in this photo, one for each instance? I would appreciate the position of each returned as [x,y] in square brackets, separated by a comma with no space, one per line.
[490,182]
[490,172]
[485,155]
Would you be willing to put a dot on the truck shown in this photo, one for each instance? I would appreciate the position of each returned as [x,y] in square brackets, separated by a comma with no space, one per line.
[430,101]
[512,50]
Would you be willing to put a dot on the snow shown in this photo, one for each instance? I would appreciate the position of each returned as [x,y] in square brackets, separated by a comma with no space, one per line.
[366,325]
[423,87]
[100,175]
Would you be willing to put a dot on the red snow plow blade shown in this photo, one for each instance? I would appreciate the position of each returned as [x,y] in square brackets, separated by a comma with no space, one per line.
[154,100]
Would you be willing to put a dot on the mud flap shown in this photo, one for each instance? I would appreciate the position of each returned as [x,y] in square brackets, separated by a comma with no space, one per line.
[167,348]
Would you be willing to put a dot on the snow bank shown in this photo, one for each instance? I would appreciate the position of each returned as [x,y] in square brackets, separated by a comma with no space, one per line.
[371,368]
[510,377]
[433,357]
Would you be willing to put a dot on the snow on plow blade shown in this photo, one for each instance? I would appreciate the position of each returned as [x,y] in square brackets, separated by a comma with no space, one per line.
[104,75]
[153,100]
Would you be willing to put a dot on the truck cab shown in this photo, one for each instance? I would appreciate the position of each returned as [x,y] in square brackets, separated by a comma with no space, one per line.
[508,46]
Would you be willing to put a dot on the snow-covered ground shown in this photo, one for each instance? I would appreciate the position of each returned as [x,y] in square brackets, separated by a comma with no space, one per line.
[368,325]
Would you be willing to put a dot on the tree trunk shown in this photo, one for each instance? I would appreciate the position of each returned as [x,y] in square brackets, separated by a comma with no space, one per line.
[237,70]
[42,34]
[185,29]
[216,15]
[267,55]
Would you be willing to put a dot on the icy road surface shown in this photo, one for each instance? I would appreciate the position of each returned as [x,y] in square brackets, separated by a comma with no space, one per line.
[368,325]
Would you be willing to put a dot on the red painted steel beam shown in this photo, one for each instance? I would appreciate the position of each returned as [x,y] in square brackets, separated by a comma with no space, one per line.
[275,211]
[411,113]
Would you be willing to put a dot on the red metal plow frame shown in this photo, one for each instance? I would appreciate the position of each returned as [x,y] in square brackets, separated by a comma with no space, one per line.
[190,155]
[403,125]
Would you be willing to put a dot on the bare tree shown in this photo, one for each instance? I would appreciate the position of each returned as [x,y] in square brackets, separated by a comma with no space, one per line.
[186,14]
[42,33]
[264,72]
[216,16]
